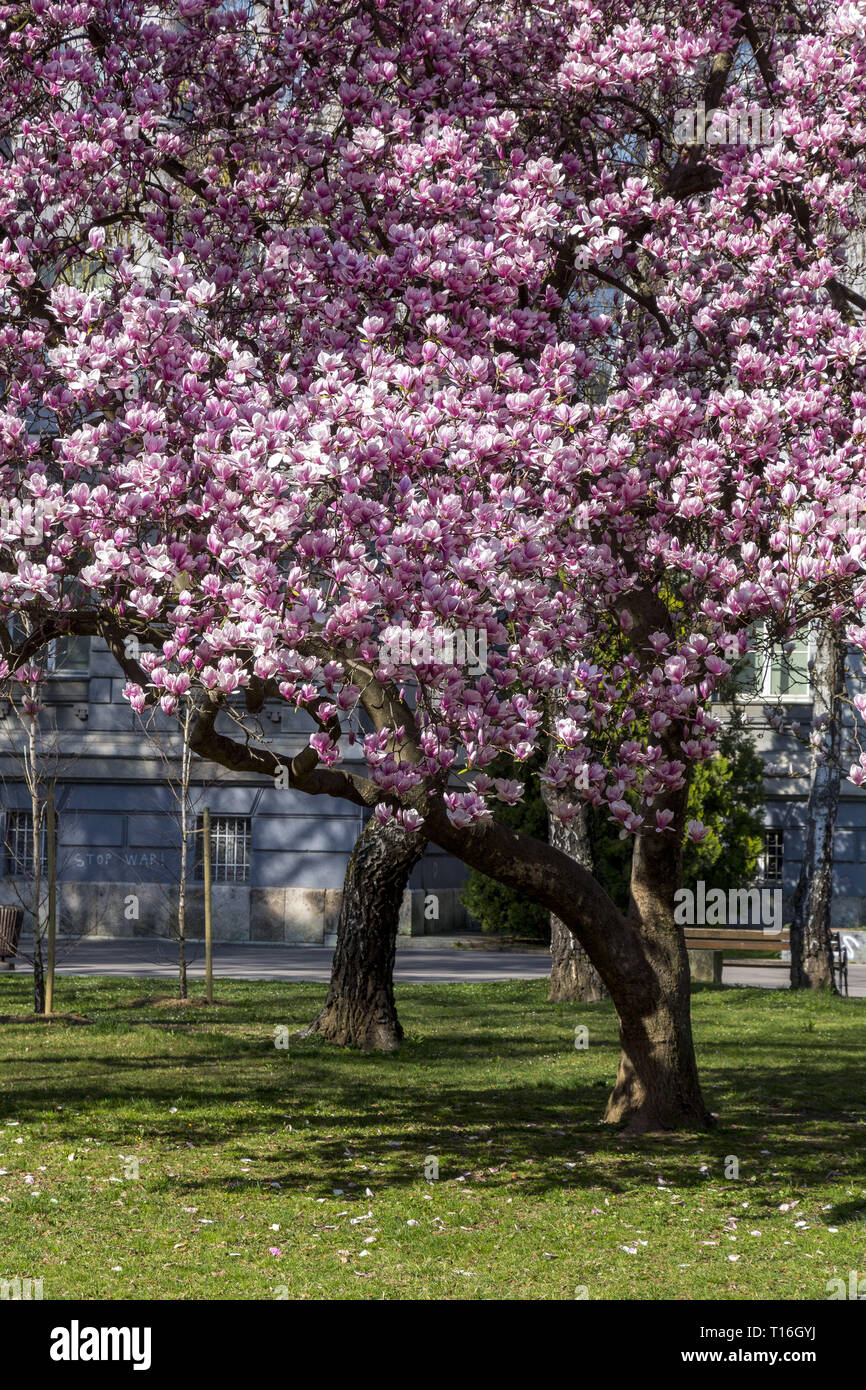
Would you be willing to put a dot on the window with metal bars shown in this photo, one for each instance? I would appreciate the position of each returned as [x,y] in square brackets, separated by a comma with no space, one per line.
[772,857]
[229,849]
[18,846]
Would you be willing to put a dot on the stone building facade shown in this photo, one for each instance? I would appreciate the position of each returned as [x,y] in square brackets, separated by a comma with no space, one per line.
[279,856]
[784,686]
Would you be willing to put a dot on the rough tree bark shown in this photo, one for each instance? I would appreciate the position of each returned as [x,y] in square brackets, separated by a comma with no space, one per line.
[359,1010]
[573,977]
[641,955]
[811,951]
[657,1083]
[38,976]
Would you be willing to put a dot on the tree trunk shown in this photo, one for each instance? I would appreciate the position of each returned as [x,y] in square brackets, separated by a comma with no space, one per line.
[573,977]
[811,951]
[359,1010]
[36,831]
[38,976]
[182,987]
[657,1085]
[641,957]
[51,864]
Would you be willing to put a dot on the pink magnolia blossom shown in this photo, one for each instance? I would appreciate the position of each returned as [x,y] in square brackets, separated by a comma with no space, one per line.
[274,440]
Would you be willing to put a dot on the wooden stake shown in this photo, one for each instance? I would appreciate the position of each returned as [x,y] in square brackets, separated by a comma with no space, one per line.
[51,855]
[208,925]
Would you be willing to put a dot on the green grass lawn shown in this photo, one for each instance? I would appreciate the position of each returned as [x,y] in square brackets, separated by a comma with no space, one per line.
[299,1172]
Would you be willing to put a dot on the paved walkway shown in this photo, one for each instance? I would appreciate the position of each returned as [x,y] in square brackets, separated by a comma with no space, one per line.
[416,964]
[420,960]
[778,979]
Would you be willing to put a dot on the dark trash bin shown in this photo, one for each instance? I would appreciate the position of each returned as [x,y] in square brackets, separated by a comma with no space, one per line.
[11,920]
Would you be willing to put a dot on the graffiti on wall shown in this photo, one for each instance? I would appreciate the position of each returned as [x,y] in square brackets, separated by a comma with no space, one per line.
[145,859]
[855,944]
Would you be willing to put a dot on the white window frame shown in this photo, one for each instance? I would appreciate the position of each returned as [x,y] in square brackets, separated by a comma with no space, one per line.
[764,694]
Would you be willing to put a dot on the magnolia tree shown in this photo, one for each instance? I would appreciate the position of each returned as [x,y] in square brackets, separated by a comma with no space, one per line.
[301,305]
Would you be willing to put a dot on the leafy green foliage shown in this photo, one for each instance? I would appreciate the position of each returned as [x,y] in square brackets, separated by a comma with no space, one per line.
[497,908]
[726,794]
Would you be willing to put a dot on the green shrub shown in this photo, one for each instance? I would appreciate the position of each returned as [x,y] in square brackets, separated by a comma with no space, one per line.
[726,794]
[499,909]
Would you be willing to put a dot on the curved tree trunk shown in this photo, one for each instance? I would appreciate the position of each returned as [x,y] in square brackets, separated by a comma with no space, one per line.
[641,957]
[359,1010]
[811,951]
[573,977]
[657,1083]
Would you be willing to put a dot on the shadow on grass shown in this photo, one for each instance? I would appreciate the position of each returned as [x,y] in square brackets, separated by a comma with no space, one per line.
[488,1081]
[848,1212]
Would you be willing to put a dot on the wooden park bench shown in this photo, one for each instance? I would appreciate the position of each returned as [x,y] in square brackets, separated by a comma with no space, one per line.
[722,940]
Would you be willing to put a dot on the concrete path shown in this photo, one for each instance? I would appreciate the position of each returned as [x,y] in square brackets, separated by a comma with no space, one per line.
[420,960]
[778,979]
[416,964]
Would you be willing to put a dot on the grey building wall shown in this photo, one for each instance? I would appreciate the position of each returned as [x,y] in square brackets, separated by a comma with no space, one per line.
[786,787]
[119,832]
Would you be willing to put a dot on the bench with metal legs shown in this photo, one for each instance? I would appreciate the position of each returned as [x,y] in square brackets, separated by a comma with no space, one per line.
[724,939]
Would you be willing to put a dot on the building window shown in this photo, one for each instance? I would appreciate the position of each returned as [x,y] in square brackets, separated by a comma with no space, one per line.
[229,849]
[789,672]
[776,675]
[772,857]
[69,656]
[18,848]
[62,656]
